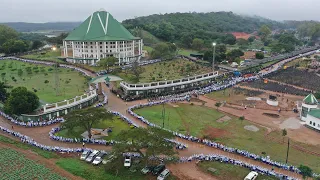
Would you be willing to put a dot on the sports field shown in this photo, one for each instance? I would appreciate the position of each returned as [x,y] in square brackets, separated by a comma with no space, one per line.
[204,122]
[41,80]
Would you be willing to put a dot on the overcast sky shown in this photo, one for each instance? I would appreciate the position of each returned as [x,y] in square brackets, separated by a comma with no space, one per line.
[79,10]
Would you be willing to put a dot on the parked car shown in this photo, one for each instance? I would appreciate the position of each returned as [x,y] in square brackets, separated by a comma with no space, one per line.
[164,174]
[158,169]
[91,157]
[147,169]
[84,155]
[98,159]
[127,161]
[251,176]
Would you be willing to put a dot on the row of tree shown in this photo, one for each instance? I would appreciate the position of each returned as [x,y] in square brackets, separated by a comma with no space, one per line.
[184,27]
[13,42]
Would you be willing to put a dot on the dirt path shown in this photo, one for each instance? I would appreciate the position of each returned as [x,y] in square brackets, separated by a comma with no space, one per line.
[48,163]
[189,171]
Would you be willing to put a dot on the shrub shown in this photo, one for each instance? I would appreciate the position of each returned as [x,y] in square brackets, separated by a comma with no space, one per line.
[46,81]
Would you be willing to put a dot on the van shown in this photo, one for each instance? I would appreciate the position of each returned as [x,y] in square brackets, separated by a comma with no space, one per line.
[164,174]
[251,176]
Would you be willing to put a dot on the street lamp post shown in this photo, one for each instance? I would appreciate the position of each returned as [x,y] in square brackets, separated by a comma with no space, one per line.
[214,54]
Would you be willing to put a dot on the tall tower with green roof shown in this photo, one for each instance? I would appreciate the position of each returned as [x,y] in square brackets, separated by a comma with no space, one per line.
[101,36]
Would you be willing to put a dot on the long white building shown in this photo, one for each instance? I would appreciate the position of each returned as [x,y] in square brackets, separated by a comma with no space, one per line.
[101,36]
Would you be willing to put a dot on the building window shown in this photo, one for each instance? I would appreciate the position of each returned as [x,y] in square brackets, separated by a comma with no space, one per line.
[314,124]
[90,42]
[100,42]
[100,50]
[92,51]
[101,55]
[100,47]
[91,47]
[106,46]
[311,122]
[110,50]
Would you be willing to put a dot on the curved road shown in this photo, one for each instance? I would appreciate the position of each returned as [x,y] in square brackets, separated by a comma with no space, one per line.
[41,135]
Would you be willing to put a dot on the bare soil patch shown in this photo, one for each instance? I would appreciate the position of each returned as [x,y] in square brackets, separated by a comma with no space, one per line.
[252,128]
[224,119]
[213,133]
[271,115]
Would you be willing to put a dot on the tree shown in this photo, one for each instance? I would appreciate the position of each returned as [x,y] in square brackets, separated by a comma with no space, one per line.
[305,171]
[136,70]
[218,104]
[264,32]
[164,51]
[20,72]
[3,91]
[284,133]
[7,33]
[219,56]
[259,55]
[241,119]
[36,44]
[197,44]
[145,141]
[106,63]
[242,42]
[234,54]
[14,46]
[21,101]
[229,39]
[86,118]
[251,39]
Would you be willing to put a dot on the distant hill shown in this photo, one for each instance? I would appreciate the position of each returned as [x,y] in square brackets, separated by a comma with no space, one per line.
[173,26]
[35,27]
[295,24]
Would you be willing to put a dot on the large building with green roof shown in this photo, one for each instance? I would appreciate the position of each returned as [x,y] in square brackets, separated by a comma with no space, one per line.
[101,36]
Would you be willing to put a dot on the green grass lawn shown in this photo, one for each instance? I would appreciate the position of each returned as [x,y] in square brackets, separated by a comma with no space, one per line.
[168,70]
[228,171]
[116,124]
[231,133]
[148,48]
[48,56]
[185,118]
[187,52]
[71,82]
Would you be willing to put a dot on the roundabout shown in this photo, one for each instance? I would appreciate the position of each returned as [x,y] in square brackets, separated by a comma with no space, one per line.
[197,149]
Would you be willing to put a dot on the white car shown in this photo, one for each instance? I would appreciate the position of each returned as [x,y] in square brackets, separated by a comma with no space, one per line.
[164,174]
[84,155]
[98,159]
[92,156]
[127,162]
[251,176]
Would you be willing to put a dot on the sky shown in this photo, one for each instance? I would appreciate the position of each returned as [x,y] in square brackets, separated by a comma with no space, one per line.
[79,10]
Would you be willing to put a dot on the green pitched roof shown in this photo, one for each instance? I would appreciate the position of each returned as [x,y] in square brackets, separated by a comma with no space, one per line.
[100,26]
[310,99]
[315,113]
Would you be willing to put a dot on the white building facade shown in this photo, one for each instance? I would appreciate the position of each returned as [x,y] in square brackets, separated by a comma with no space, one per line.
[101,36]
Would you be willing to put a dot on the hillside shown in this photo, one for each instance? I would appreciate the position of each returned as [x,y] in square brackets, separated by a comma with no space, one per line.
[33,27]
[173,26]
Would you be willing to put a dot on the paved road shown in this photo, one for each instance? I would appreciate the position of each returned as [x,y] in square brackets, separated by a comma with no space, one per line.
[40,135]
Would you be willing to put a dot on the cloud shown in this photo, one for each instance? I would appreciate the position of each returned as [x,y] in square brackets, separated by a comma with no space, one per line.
[78,10]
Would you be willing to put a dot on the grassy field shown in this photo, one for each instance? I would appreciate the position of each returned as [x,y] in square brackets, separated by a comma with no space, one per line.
[228,171]
[48,56]
[169,70]
[71,83]
[185,118]
[15,165]
[187,52]
[117,126]
[201,121]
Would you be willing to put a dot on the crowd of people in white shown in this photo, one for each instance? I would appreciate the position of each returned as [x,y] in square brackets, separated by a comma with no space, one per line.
[172,98]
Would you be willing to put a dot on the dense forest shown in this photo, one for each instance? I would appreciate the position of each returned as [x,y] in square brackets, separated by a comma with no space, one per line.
[208,26]
[32,27]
